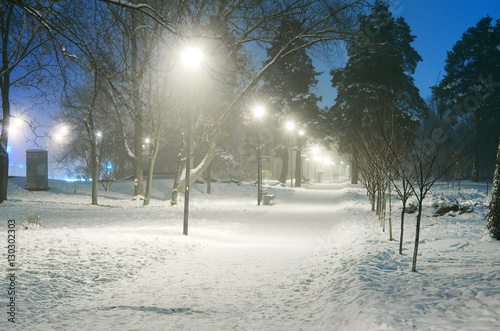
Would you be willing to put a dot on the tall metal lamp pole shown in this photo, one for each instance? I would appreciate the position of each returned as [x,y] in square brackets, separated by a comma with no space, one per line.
[192,58]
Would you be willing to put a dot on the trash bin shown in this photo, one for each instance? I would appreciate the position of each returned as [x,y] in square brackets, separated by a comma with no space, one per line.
[37,172]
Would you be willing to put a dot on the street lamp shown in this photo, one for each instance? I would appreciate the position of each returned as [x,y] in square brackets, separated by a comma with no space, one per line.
[192,58]
[16,124]
[61,134]
[289,127]
[259,112]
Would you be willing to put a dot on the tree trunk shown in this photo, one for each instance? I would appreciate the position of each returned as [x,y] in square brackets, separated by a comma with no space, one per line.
[390,213]
[95,171]
[298,168]
[354,173]
[149,183]
[377,209]
[475,173]
[94,158]
[284,166]
[200,168]
[4,173]
[209,178]
[417,235]
[178,172]
[493,217]
[4,136]
[372,200]
[402,228]
[136,98]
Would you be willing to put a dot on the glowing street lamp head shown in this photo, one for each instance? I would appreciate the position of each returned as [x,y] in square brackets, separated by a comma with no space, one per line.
[315,150]
[61,133]
[16,124]
[259,111]
[58,137]
[64,130]
[192,57]
[289,125]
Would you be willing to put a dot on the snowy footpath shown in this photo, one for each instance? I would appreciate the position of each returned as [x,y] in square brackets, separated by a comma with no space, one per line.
[317,260]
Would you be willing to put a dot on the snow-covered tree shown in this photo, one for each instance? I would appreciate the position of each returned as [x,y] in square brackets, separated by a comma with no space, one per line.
[469,93]
[251,23]
[225,27]
[25,54]
[375,90]
[288,88]
[493,218]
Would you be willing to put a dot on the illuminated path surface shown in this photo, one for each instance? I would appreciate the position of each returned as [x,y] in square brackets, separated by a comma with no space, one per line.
[255,269]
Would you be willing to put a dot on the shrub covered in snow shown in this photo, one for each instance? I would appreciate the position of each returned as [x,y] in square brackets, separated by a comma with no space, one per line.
[411,208]
[32,222]
[455,207]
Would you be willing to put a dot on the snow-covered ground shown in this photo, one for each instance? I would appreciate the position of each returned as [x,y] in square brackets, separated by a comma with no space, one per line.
[317,260]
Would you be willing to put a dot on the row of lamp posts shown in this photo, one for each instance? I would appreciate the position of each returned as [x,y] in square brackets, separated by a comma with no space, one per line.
[192,58]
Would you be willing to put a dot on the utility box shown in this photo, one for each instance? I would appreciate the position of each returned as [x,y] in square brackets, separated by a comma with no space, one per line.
[37,171]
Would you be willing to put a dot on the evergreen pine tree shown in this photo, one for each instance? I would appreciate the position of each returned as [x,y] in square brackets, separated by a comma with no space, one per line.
[493,218]
[288,86]
[470,93]
[375,90]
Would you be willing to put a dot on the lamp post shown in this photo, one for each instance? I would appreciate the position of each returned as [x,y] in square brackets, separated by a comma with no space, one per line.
[191,57]
[259,112]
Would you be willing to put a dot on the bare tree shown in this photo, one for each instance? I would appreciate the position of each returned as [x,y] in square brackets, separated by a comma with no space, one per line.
[92,136]
[252,23]
[428,161]
[23,47]
[228,29]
